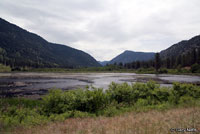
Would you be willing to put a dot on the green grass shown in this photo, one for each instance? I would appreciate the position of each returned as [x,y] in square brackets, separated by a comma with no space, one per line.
[105,69]
[81,70]
[59,105]
[111,69]
[4,68]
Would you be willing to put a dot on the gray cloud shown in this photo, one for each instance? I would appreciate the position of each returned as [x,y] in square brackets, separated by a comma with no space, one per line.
[105,28]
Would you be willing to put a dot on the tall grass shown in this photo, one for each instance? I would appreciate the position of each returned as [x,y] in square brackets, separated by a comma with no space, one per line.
[151,122]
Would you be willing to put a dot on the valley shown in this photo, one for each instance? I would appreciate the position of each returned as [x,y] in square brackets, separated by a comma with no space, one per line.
[66,90]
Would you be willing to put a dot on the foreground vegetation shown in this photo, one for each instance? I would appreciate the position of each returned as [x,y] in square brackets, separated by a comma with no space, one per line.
[150,122]
[60,105]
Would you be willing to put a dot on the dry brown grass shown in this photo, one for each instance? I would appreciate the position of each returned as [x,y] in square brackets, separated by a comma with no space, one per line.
[151,122]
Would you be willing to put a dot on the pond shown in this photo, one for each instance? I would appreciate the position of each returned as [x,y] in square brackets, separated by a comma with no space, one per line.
[33,85]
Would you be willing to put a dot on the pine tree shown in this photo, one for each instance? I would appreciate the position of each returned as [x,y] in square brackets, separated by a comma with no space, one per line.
[168,63]
[194,56]
[183,61]
[138,65]
[157,61]
[198,56]
[172,62]
[178,60]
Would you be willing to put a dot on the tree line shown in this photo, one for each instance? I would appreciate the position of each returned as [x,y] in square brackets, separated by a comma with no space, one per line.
[185,60]
[18,62]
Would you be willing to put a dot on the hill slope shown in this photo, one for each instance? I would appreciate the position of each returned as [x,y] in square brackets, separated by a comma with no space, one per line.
[19,47]
[130,56]
[181,48]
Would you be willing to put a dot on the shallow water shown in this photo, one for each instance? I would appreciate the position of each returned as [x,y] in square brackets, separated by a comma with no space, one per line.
[36,84]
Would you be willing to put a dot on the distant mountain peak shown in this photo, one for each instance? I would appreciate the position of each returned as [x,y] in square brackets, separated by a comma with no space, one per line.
[130,56]
[128,51]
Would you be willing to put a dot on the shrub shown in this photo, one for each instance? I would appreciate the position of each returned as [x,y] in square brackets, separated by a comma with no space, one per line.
[195,68]
[21,116]
[162,94]
[141,102]
[110,111]
[186,101]
[82,100]
[146,91]
[54,102]
[180,90]
[124,93]
[121,93]
[146,70]
[91,100]
[80,114]
[163,71]
[119,98]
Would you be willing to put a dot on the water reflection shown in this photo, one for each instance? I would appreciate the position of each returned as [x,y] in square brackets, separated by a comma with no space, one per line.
[40,83]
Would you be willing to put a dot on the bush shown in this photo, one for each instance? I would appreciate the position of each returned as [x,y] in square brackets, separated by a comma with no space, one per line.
[55,102]
[119,98]
[91,100]
[146,92]
[186,101]
[141,102]
[110,111]
[58,102]
[195,68]
[150,92]
[16,69]
[146,70]
[163,94]
[180,90]
[79,114]
[121,93]
[163,71]
[23,116]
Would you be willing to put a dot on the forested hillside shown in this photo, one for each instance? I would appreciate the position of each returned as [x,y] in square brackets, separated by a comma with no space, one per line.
[20,48]
[184,53]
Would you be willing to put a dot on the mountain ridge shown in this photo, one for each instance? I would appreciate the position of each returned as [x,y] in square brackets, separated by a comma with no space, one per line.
[22,48]
[181,47]
[19,47]
[130,56]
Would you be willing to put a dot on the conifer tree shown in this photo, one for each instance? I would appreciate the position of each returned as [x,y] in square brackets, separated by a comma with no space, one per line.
[157,61]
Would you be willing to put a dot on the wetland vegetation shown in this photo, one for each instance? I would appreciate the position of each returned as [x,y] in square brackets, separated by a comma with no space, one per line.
[60,105]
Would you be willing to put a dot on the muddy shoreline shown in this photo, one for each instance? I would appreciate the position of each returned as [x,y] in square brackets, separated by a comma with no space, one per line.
[35,85]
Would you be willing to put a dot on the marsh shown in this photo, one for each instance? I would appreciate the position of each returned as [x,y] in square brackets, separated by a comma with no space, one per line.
[33,85]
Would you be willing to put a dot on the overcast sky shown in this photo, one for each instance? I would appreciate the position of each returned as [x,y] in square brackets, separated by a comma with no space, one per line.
[105,28]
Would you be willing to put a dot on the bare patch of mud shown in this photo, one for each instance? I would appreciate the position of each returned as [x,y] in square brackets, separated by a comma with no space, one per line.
[35,85]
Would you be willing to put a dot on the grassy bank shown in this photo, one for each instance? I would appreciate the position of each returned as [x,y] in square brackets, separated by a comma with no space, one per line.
[107,69]
[82,70]
[112,69]
[94,104]
[151,122]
